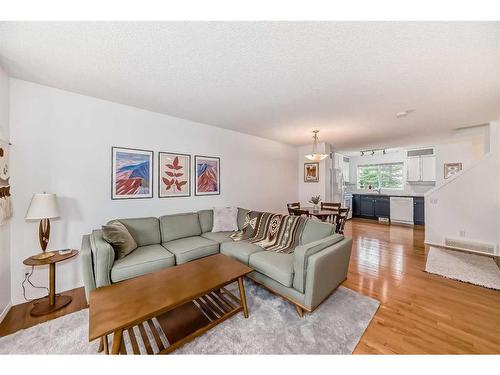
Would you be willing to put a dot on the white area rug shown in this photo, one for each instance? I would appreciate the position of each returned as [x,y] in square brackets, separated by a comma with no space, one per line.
[272,328]
[469,268]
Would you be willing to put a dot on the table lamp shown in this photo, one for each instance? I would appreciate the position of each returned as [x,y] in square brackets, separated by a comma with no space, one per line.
[43,207]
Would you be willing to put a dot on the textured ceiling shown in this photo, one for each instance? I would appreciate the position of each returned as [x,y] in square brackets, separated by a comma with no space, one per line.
[278,80]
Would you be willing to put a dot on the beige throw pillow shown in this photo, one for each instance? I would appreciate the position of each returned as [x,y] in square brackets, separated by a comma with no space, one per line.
[118,236]
[225,219]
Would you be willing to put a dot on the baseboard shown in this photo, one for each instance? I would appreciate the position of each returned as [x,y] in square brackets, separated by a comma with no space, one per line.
[5,312]
[496,258]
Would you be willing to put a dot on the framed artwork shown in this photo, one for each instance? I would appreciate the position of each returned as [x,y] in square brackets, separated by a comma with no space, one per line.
[174,175]
[451,169]
[131,173]
[311,172]
[4,160]
[207,178]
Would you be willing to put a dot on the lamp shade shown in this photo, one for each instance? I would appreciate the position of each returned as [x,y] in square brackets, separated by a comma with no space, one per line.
[43,206]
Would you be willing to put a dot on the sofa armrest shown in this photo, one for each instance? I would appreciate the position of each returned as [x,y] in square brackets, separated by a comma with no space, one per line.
[301,257]
[103,256]
[87,265]
[326,270]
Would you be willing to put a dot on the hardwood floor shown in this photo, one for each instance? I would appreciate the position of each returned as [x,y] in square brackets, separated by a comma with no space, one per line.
[419,312]
[19,315]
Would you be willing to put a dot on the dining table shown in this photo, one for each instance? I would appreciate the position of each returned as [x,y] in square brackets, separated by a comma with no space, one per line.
[319,213]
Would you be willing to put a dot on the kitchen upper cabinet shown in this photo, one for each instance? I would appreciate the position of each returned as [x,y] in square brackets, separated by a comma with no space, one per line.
[428,168]
[421,166]
[413,169]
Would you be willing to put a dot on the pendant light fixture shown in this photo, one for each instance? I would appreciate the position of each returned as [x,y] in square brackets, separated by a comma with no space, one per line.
[315,155]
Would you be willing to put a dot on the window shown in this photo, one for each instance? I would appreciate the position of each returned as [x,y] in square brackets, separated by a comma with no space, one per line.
[385,176]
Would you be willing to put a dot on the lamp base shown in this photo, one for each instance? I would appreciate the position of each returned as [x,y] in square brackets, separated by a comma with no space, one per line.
[43,255]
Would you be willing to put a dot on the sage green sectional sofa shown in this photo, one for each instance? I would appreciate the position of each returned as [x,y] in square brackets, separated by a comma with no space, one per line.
[305,277]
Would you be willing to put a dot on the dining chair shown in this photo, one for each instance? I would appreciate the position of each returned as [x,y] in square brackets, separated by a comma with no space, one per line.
[292,206]
[341,218]
[299,212]
[327,206]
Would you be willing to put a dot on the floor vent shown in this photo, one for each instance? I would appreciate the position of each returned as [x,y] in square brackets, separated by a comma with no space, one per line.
[481,247]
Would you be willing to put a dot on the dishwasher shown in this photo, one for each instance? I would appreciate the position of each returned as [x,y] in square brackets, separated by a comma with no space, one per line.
[402,210]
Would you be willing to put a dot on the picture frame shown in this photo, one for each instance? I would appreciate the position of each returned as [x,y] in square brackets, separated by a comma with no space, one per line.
[131,173]
[207,175]
[451,169]
[174,175]
[311,172]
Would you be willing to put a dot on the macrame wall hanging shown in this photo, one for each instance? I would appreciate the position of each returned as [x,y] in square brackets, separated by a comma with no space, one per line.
[5,203]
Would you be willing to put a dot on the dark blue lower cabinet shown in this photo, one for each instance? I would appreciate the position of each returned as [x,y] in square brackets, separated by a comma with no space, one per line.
[355,205]
[418,211]
[367,206]
[371,206]
[382,207]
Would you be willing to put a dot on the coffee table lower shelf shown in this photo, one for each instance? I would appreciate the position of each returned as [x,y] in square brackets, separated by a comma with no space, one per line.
[176,327]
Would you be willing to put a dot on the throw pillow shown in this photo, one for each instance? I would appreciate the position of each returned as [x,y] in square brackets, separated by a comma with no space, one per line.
[225,219]
[118,236]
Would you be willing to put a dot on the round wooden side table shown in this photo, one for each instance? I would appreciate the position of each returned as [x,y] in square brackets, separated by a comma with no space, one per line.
[52,302]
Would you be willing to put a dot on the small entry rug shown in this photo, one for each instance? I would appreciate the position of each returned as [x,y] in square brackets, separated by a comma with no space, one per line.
[272,328]
[470,268]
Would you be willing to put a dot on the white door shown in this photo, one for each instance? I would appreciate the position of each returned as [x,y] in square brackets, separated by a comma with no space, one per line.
[413,169]
[428,168]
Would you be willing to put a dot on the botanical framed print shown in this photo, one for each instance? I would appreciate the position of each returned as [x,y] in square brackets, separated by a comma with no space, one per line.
[451,169]
[174,175]
[131,173]
[207,175]
[311,172]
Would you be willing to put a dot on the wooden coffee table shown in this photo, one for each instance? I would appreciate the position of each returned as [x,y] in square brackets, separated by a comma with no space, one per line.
[179,303]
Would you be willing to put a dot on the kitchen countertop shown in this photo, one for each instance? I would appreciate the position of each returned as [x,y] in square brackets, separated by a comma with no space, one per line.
[390,195]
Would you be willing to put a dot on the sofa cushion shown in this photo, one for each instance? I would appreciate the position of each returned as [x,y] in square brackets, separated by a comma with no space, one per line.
[206,218]
[239,250]
[277,266]
[242,213]
[315,230]
[219,237]
[190,248]
[118,236]
[145,230]
[144,259]
[178,226]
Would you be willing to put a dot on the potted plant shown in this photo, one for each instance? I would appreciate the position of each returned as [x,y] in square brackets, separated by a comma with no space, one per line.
[315,199]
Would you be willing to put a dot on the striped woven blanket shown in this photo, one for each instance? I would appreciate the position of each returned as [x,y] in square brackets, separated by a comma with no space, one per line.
[272,232]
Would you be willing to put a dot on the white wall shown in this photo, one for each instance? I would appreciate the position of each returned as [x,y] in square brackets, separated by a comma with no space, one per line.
[5,229]
[63,145]
[468,205]
[456,150]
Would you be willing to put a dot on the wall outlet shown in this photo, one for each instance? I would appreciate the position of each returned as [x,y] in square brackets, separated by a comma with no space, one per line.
[462,233]
[434,200]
